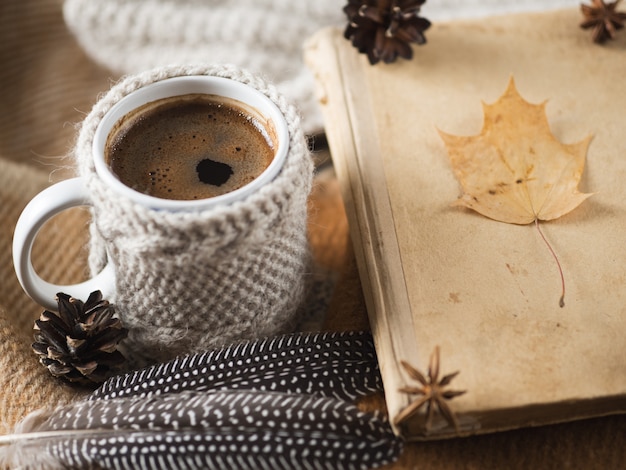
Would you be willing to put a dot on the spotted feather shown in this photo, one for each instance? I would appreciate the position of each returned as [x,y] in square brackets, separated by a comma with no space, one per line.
[339,365]
[190,430]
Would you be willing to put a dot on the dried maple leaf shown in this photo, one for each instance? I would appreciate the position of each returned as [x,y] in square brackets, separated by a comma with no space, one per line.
[516,171]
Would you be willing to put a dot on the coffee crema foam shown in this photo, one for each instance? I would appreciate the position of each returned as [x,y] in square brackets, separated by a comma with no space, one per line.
[189,147]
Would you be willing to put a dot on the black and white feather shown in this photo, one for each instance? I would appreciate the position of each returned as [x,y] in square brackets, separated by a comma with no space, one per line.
[279,403]
[340,365]
[208,430]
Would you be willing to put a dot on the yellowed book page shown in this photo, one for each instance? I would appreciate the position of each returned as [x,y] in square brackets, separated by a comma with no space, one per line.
[487,293]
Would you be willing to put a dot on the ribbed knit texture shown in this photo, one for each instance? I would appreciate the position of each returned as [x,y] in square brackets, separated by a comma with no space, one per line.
[196,280]
[263,36]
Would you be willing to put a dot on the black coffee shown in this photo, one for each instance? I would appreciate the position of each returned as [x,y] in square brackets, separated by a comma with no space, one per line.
[188,147]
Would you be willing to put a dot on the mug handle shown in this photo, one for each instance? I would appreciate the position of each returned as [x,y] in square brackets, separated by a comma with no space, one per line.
[51,201]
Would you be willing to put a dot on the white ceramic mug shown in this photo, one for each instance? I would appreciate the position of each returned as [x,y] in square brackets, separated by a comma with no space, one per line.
[73,192]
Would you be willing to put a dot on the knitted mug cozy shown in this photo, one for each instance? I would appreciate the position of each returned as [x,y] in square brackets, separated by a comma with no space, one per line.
[189,281]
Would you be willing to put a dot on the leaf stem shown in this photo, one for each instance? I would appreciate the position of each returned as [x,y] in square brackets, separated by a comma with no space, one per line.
[562,299]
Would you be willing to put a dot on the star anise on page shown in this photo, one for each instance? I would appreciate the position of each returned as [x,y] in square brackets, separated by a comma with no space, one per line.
[432,392]
[603,19]
[384,29]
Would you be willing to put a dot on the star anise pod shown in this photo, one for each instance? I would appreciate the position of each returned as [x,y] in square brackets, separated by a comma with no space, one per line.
[384,29]
[433,393]
[603,19]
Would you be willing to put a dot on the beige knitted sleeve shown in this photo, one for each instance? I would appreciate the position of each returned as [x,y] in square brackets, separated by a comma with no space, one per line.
[189,281]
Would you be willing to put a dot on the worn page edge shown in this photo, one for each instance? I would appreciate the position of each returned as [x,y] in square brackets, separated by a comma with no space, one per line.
[360,170]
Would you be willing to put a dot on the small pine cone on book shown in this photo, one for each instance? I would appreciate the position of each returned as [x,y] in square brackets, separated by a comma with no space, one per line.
[79,343]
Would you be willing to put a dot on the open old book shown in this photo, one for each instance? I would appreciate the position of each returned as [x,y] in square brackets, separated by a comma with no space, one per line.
[485,293]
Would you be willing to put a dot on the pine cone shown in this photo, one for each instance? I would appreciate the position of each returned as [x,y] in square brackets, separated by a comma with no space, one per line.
[80,342]
[384,29]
